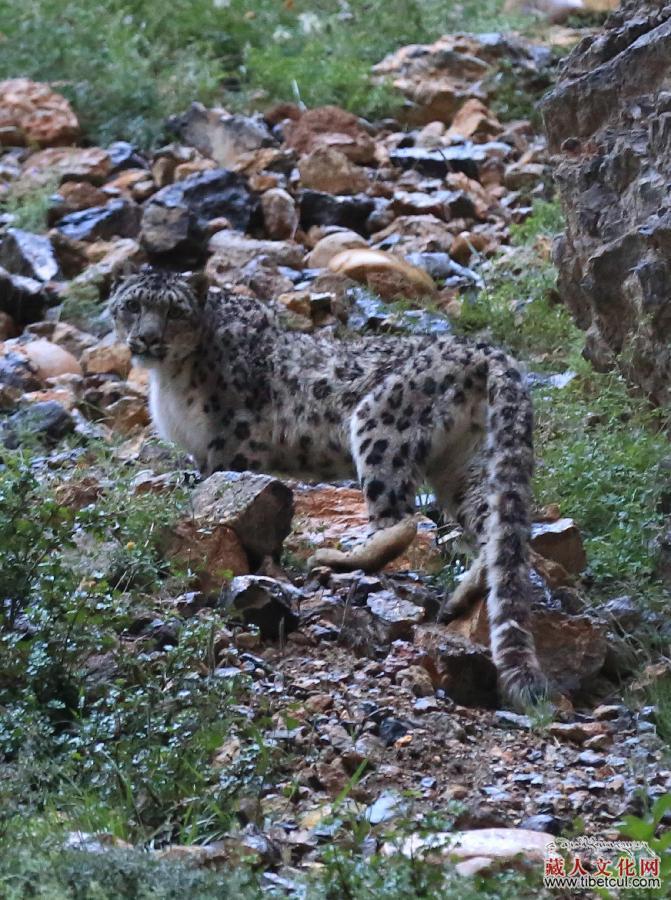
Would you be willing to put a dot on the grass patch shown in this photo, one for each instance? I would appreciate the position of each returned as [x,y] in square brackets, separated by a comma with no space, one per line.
[129,65]
[28,202]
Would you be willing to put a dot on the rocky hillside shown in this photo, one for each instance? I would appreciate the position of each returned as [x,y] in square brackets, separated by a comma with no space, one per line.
[167,685]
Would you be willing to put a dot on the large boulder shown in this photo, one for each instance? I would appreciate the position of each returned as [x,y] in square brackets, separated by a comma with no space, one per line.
[32,113]
[608,121]
[257,508]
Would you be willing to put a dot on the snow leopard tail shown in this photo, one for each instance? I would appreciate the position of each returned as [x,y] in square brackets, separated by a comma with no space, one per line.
[510,464]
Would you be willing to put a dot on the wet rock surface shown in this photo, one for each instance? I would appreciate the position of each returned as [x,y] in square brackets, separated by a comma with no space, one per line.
[607,122]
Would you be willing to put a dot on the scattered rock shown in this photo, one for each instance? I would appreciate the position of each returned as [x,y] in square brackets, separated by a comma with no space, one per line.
[397,614]
[75,196]
[386,275]
[24,299]
[232,250]
[46,421]
[32,113]
[331,245]
[16,371]
[578,732]
[262,602]
[465,158]
[465,671]
[517,846]
[329,126]
[214,554]
[317,208]
[68,164]
[560,542]
[109,356]
[280,214]
[49,360]
[223,137]
[389,805]
[438,78]
[475,122]
[571,648]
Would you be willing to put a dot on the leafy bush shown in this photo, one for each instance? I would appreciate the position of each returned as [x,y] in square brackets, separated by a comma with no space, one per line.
[111,708]
[31,869]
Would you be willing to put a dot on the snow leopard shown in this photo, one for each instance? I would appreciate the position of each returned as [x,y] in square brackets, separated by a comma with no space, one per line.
[236,389]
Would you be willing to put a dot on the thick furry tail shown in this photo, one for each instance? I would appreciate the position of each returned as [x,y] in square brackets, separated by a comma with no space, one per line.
[510,463]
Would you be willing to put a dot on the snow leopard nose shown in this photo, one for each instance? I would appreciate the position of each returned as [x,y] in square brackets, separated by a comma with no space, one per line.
[146,346]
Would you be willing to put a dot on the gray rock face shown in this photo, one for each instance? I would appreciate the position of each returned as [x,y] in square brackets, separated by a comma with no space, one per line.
[176,217]
[29,254]
[118,218]
[609,122]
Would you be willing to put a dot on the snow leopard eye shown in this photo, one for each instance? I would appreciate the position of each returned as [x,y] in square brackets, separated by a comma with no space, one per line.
[132,306]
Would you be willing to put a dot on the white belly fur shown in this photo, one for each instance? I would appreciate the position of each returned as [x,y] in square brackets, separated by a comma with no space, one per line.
[186,426]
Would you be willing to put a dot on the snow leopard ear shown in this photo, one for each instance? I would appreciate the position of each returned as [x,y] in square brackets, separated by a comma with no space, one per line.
[199,284]
[122,272]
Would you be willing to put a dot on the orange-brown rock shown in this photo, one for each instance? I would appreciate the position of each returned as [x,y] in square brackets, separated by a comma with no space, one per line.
[475,121]
[560,541]
[212,554]
[68,164]
[127,414]
[330,170]
[331,245]
[330,126]
[33,113]
[571,649]
[49,360]
[420,234]
[125,181]
[109,356]
[78,195]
